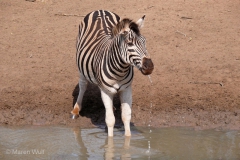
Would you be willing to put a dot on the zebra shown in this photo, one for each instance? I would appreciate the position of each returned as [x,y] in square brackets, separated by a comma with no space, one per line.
[108,48]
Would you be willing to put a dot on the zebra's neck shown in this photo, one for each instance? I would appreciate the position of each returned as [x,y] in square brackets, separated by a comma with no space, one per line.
[113,62]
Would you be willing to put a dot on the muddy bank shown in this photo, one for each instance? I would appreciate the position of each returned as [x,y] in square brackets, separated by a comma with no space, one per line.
[194,46]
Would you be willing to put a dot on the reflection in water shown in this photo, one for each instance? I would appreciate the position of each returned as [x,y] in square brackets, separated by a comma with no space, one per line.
[50,142]
[78,138]
[96,144]
[110,149]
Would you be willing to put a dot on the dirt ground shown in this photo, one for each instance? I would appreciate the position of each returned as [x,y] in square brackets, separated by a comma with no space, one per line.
[193,44]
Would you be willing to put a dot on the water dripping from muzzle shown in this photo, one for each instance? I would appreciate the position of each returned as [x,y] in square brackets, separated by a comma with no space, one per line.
[150,79]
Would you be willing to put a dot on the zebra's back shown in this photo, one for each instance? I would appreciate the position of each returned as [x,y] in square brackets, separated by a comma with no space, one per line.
[102,20]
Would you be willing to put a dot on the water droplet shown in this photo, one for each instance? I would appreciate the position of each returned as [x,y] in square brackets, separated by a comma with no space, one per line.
[148,151]
[150,131]
[149,145]
[150,79]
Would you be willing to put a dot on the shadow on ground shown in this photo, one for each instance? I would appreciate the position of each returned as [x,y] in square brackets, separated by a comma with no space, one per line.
[93,108]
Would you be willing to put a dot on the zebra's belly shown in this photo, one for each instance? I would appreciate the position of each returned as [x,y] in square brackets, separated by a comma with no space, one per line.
[90,77]
[112,86]
[116,87]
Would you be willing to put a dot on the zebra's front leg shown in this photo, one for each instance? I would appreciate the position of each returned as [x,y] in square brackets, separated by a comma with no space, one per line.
[126,105]
[78,105]
[107,99]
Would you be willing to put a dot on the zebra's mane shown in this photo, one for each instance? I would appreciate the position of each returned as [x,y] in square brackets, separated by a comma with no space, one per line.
[126,22]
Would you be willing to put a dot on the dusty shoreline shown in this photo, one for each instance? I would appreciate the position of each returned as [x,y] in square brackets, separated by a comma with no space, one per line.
[196,79]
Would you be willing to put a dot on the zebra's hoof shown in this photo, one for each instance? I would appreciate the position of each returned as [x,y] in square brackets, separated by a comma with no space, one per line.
[72,116]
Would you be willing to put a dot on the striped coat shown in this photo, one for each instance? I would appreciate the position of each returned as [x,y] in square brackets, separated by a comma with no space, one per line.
[96,50]
[107,50]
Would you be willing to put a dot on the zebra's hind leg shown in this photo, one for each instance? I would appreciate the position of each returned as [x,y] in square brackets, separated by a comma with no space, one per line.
[107,99]
[126,105]
[78,105]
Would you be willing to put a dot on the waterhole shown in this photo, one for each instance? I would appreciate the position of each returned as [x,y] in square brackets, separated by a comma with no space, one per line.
[60,142]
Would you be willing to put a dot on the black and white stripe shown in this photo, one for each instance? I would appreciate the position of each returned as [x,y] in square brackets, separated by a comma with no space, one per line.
[107,50]
[102,58]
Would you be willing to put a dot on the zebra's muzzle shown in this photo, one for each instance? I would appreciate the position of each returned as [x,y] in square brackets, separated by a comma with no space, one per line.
[147,66]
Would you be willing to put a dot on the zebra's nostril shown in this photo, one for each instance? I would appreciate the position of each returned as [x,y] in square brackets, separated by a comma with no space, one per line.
[145,66]
[147,63]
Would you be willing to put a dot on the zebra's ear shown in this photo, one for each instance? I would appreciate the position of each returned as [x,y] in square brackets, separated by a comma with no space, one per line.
[140,22]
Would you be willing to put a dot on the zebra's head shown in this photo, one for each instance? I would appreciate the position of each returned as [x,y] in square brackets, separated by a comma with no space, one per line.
[134,50]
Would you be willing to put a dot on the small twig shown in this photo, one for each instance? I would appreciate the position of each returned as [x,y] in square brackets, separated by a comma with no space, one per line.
[190,38]
[186,18]
[221,84]
[67,15]
[149,7]
[181,33]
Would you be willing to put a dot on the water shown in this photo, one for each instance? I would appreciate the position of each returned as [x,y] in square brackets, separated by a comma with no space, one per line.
[150,120]
[150,79]
[58,142]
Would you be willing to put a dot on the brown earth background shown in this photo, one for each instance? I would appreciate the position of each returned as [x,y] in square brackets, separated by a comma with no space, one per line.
[193,44]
